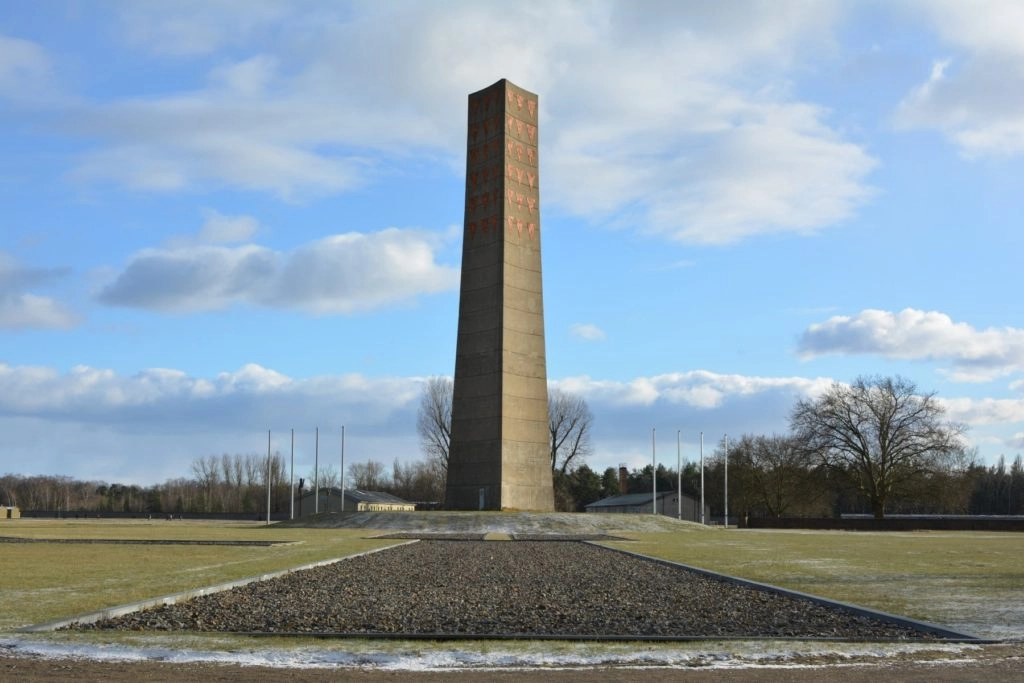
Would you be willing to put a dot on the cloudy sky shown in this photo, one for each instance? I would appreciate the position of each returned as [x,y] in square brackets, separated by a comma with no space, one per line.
[226,217]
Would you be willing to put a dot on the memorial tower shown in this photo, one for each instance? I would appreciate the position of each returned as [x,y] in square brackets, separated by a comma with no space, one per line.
[499,456]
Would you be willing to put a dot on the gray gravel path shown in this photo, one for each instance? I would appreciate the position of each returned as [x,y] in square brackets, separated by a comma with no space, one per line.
[550,588]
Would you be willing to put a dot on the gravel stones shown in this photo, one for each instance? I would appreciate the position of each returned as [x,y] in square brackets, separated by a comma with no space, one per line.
[492,588]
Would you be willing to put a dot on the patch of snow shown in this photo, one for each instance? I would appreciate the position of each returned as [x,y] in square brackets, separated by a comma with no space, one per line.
[412,657]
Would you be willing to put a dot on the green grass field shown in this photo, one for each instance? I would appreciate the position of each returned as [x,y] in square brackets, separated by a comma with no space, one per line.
[968,581]
[43,582]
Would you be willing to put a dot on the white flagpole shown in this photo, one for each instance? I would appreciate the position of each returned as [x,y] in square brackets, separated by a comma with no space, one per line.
[702,521]
[654,477]
[342,468]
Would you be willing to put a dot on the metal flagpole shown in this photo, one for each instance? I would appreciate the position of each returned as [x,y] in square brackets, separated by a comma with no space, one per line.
[726,521]
[702,478]
[342,468]
[316,473]
[679,476]
[291,482]
[268,477]
[654,477]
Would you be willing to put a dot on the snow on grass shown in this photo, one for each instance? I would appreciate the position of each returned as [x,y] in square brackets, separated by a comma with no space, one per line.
[489,656]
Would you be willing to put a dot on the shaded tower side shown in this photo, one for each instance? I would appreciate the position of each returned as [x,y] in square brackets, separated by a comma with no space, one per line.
[499,458]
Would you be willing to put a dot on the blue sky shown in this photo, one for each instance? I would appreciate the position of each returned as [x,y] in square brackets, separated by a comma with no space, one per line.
[223,217]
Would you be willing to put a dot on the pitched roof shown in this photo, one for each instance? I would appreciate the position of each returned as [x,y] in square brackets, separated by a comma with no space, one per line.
[363,496]
[628,499]
[374,496]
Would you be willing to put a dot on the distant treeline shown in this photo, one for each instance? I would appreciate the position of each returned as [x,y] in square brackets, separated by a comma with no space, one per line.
[225,484]
[758,488]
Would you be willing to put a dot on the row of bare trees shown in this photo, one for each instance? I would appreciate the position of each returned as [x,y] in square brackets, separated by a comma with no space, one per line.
[238,483]
[220,484]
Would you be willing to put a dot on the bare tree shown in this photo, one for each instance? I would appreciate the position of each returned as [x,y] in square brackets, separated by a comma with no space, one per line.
[329,477]
[368,476]
[207,473]
[434,420]
[775,475]
[416,481]
[880,432]
[569,421]
[8,490]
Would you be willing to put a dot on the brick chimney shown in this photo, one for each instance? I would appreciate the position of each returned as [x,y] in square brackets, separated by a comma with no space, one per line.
[623,480]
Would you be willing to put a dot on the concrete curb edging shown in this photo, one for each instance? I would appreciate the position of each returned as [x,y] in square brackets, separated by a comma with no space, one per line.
[128,608]
[946,634]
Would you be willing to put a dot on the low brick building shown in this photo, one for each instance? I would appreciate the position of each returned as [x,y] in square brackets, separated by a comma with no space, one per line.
[330,500]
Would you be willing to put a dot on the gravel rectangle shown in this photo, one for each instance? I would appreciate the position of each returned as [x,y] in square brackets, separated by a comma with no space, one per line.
[488,588]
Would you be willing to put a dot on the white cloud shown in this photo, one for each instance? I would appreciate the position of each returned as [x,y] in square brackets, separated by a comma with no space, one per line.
[697,390]
[148,427]
[248,78]
[587,331]
[984,411]
[976,355]
[678,116]
[337,274]
[23,67]
[157,398]
[976,98]
[170,146]
[749,172]
[221,229]
[21,309]
[188,30]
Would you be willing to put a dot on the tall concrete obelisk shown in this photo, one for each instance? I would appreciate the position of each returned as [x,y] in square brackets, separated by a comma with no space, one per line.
[499,458]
